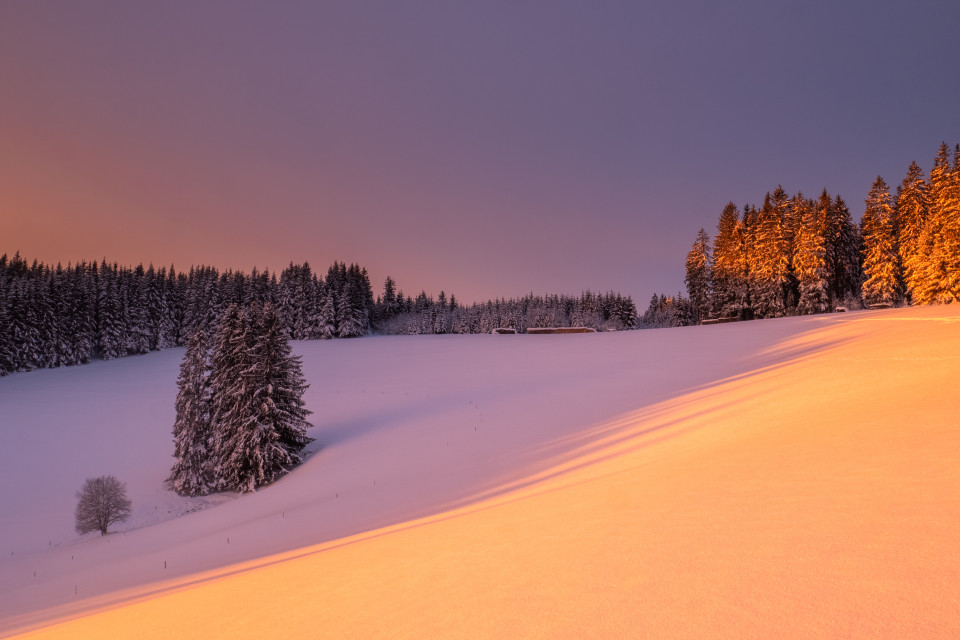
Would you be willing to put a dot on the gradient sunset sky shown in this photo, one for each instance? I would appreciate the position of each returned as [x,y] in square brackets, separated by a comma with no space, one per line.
[487,148]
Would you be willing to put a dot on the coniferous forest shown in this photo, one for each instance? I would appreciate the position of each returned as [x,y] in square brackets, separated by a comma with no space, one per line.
[796,255]
[60,316]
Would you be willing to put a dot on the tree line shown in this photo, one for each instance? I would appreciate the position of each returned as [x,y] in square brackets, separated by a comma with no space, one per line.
[426,315]
[61,316]
[796,255]
[53,316]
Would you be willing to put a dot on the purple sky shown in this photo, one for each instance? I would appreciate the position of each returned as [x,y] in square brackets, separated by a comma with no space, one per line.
[485,148]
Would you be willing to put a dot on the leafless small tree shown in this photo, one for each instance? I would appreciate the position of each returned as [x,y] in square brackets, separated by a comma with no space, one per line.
[101,502]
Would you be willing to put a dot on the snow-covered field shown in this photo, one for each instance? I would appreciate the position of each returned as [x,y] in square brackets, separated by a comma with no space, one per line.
[781,478]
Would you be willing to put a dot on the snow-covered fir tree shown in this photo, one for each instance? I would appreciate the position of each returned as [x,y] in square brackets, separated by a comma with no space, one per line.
[45,319]
[809,262]
[110,334]
[21,319]
[952,240]
[769,264]
[440,314]
[667,311]
[82,300]
[389,306]
[314,311]
[748,234]
[6,341]
[192,474]
[940,238]
[790,224]
[842,240]
[257,417]
[881,259]
[279,385]
[287,302]
[297,300]
[929,270]
[698,277]
[138,329]
[328,315]
[728,277]
[351,316]
[230,409]
[912,204]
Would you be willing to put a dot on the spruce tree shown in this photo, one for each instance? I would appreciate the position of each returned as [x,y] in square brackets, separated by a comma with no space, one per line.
[350,312]
[843,250]
[191,473]
[258,417]
[7,356]
[252,454]
[930,272]
[698,276]
[912,206]
[23,334]
[279,386]
[881,261]
[951,230]
[137,318]
[328,315]
[809,262]
[727,299]
[315,313]
[389,300]
[748,256]
[78,310]
[43,314]
[292,302]
[768,270]
[109,317]
[790,224]
[231,411]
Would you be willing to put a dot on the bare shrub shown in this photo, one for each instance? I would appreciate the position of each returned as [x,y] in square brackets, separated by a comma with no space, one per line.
[101,502]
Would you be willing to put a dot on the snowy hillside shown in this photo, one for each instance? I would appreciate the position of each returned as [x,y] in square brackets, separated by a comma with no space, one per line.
[792,477]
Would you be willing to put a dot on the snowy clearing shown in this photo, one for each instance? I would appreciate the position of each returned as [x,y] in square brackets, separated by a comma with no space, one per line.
[792,478]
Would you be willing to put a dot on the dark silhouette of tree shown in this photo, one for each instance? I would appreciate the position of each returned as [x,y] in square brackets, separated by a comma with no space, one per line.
[101,502]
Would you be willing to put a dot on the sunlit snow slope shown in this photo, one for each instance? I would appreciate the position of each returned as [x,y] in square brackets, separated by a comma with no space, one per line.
[783,478]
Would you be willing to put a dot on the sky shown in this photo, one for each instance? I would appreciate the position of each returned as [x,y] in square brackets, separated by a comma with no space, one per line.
[487,149]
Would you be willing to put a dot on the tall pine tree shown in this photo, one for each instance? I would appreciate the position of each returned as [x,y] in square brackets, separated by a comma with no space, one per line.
[231,411]
[258,418]
[912,205]
[768,270]
[728,263]
[698,276]
[191,473]
[809,261]
[931,269]
[843,249]
[351,316]
[881,260]
[280,385]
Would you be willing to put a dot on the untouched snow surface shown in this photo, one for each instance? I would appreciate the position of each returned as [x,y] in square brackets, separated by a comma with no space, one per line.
[781,478]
